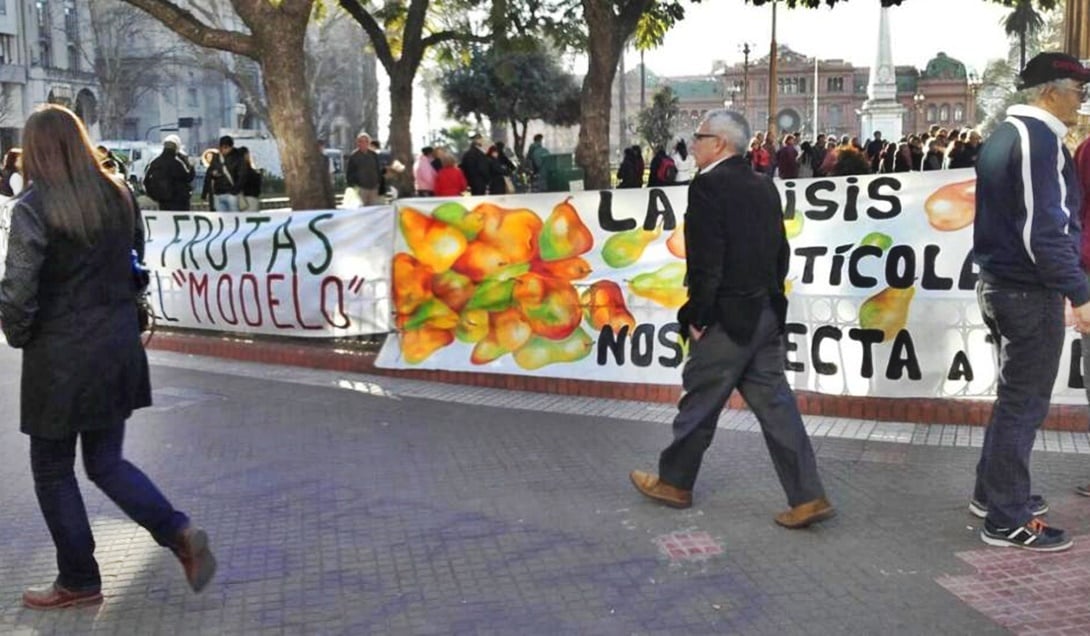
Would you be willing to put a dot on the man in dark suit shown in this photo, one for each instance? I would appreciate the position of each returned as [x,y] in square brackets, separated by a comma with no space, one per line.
[737,257]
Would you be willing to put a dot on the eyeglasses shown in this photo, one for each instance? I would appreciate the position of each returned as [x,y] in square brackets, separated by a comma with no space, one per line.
[1083,90]
[699,136]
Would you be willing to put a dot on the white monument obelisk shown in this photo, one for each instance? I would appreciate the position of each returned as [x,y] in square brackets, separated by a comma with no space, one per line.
[882,112]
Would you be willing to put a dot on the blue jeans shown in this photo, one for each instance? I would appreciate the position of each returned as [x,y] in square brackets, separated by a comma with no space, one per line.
[52,461]
[1028,327]
[225,202]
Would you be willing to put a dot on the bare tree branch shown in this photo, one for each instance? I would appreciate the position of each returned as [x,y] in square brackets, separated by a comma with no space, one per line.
[187,25]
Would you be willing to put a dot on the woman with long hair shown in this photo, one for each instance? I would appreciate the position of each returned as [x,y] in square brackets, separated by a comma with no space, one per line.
[249,182]
[67,299]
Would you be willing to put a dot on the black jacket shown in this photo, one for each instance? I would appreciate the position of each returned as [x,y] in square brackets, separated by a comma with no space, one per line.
[169,179]
[216,180]
[71,309]
[477,168]
[736,250]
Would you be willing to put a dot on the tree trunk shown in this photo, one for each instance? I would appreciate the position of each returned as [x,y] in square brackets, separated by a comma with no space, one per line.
[518,131]
[609,25]
[283,72]
[401,111]
[592,151]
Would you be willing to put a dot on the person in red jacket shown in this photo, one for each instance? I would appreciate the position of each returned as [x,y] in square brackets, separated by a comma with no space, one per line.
[450,182]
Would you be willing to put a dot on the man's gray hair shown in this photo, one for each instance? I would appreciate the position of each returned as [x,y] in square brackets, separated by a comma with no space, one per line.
[730,126]
[1033,93]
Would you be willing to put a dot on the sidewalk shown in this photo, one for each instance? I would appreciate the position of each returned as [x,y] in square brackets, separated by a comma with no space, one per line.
[342,503]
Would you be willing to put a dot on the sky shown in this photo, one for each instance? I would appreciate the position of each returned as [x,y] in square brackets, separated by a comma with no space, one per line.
[967,30]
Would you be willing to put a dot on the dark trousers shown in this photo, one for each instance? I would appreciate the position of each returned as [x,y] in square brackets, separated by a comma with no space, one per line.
[52,461]
[1028,328]
[715,367]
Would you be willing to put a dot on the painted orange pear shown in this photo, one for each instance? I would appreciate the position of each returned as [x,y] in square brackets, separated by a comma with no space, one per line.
[411,281]
[419,344]
[676,242]
[453,289]
[433,242]
[564,234]
[574,268]
[511,329]
[487,349]
[604,305]
[550,305]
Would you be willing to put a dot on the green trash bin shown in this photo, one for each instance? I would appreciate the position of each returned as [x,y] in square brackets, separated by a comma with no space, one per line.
[560,170]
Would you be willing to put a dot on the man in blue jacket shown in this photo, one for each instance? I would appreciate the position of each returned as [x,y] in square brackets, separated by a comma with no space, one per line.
[1026,242]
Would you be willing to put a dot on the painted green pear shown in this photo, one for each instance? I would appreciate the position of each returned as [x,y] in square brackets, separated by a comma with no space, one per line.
[625,248]
[887,310]
[538,351]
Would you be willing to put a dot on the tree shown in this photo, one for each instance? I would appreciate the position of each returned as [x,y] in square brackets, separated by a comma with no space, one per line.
[657,121]
[125,74]
[400,35]
[610,24]
[513,85]
[1023,21]
[275,36]
[999,83]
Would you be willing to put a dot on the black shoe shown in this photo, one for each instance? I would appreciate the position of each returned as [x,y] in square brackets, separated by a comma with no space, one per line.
[1036,536]
[1037,507]
[1083,489]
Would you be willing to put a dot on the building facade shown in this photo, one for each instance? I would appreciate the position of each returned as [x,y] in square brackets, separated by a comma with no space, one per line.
[943,93]
[43,59]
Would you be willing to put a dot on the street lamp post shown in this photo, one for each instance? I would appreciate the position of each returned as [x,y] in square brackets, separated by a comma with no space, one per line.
[745,81]
[773,88]
[917,103]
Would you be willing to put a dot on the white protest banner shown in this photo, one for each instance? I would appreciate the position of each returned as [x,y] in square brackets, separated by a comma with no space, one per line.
[587,286]
[315,274]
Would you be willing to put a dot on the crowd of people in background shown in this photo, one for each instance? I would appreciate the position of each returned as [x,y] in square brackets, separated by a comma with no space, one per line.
[827,155]
[440,172]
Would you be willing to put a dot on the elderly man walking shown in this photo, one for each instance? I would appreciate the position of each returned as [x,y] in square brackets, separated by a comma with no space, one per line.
[737,257]
[362,171]
[1026,241]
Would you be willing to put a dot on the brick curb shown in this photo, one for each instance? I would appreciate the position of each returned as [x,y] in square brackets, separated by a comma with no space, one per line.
[357,358]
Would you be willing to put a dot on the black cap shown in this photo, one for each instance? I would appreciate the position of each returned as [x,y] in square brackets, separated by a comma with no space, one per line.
[1048,67]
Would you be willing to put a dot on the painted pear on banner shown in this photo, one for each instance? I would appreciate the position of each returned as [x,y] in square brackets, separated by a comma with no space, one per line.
[887,310]
[604,304]
[456,215]
[665,286]
[574,268]
[511,329]
[431,313]
[550,305]
[418,345]
[432,242]
[564,235]
[453,289]
[472,326]
[676,242]
[507,237]
[487,349]
[625,248]
[412,282]
[539,351]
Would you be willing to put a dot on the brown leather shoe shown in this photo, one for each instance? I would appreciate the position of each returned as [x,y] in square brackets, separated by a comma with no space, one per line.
[197,560]
[807,513]
[54,596]
[651,486]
